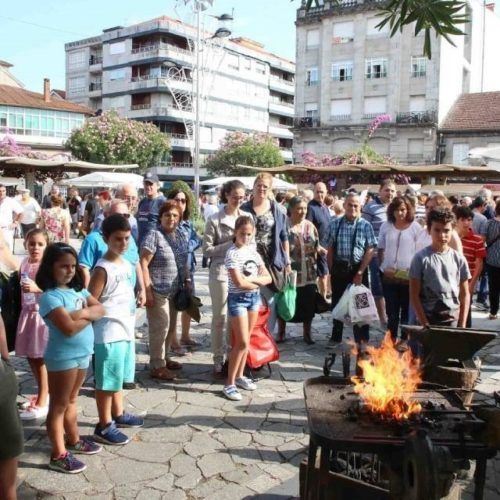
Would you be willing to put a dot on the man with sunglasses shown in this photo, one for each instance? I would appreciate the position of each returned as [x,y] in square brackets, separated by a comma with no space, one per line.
[149,207]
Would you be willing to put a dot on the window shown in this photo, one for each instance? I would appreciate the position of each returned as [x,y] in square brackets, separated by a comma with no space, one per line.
[417,103]
[116,102]
[461,153]
[371,29]
[233,62]
[311,109]
[76,85]
[415,149]
[374,106]
[376,68]
[312,76]
[343,32]
[117,48]
[309,146]
[260,68]
[117,74]
[342,71]
[418,67]
[247,63]
[341,109]
[76,59]
[312,38]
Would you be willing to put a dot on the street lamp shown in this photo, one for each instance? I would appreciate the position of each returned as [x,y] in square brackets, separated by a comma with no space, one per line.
[222,32]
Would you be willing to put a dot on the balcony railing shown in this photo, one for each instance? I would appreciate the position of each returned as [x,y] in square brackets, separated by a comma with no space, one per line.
[157,46]
[175,164]
[411,118]
[307,122]
[140,106]
[339,6]
[277,79]
[340,118]
[95,86]
[371,116]
[95,60]
[177,136]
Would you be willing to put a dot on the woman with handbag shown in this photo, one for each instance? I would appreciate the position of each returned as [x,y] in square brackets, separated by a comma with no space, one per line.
[397,245]
[217,239]
[304,249]
[164,262]
[493,261]
[271,237]
[194,242]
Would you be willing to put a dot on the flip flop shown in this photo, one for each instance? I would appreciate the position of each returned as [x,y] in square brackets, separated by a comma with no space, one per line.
[190,343]
[173,365]
[178,351]
[162,374]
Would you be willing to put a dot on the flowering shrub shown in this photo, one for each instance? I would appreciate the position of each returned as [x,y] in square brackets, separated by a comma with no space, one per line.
[114,140]
[256,150]
[374,125]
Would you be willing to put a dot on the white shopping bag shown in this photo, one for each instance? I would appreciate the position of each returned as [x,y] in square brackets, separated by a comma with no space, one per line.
[341,310]
[362,308]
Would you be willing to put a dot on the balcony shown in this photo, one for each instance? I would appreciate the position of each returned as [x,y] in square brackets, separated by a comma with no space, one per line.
[179,141]
[287,153]
[372,116]
[416,118]
[330,8]
[95,89]
[153,81]
[282,131]
[136,107]
[148,111]
[281,108]
[95,64]
[161,50]
[281,85]
[340,118]
[307,122]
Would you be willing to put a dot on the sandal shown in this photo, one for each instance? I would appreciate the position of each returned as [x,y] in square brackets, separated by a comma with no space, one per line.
[190,343]
[493,316]
[162,374]
[173,365]
[178,351]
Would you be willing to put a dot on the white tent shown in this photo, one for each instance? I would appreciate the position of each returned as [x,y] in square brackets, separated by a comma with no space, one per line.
[105,179]
[489,156]
[278,184]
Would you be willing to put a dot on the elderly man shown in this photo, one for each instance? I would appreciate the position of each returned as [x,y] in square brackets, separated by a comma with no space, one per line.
[128,193]
[54,191]
[351,247]
[375,212]
[149,206]
[94,247]
[10,216]
[319,215]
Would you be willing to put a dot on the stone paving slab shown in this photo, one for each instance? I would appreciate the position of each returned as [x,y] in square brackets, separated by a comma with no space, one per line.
[196,444]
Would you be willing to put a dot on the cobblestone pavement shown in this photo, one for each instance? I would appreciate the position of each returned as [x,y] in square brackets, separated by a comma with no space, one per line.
[195,443]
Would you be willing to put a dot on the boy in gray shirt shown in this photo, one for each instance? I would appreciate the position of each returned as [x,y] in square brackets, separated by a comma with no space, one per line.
[439,292]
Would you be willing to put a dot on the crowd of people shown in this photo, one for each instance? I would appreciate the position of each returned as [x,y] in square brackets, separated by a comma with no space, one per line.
[423,258]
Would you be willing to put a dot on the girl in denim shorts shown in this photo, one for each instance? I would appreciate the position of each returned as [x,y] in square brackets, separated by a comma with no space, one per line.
[246,274]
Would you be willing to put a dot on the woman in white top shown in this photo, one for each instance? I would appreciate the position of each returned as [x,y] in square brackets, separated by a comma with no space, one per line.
[31,211]
[396,247]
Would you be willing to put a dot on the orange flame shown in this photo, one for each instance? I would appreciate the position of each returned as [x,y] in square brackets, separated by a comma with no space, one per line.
[390,379]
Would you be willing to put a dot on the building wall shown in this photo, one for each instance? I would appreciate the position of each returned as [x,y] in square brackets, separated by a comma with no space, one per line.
[457,145]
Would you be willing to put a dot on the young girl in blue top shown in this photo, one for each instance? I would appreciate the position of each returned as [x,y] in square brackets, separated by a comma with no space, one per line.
[68,310]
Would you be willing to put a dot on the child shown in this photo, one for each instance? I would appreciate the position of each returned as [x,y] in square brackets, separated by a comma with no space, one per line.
[68,310]
[112,283]
[32,334]
[439,289]
[246,273]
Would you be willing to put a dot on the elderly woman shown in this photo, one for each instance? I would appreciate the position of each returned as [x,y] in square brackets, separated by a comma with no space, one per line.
[56,220]
[304,248]
[271,234]
[493,261]
[194,242]
[164,263]
[218,237]
[397,244]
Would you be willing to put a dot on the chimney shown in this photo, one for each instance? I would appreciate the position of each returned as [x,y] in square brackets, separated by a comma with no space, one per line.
[46,90]
[490,6]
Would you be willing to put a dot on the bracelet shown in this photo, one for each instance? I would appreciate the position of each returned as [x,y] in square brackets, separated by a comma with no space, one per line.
[188,280]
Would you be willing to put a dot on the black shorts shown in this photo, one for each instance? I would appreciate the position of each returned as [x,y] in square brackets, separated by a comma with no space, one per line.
[11,444]
[321,265]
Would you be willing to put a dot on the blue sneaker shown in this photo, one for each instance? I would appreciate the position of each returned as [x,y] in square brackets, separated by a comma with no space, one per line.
[85,447]
[128,420]
[67,463]
[110,435]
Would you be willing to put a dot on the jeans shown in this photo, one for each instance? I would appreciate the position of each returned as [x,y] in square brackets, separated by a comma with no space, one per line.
[494,283]
[397,299]
[239,304]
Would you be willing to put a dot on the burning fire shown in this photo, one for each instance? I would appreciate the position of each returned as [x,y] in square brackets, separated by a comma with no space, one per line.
[390,379]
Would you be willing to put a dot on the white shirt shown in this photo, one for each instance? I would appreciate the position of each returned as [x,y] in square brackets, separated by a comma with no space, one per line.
[31,211]
[8,207]
[399,245]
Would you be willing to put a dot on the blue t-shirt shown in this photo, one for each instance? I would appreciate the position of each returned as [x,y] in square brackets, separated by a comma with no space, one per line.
[61,347]
[94,247]
[147,215]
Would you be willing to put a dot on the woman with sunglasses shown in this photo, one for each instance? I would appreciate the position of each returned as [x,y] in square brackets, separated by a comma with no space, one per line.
[194,242]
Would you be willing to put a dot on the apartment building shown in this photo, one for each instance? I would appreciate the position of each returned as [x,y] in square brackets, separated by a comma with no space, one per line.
[349,72]
[147,72]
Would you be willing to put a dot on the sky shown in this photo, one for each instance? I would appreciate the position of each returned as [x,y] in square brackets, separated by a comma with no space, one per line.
[33,33]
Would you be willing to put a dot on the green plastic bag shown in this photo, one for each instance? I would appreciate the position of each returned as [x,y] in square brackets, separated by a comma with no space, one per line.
[287,298]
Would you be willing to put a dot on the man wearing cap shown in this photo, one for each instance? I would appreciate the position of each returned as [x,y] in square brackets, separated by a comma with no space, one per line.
[149,206]
[10,214]
[31,211]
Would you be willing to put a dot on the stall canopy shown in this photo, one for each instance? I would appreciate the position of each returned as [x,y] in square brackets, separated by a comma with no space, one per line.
[105,179]
[248,182]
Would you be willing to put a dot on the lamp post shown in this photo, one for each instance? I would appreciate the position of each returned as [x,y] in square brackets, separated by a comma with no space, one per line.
[222,32]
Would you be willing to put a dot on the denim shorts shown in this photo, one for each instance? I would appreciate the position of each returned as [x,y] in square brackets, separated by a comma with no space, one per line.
[375,279]
[240,303]
[113,365]
[59,365]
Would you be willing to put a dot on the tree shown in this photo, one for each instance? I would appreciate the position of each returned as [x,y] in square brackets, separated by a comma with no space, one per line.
[238,148]
[114,140]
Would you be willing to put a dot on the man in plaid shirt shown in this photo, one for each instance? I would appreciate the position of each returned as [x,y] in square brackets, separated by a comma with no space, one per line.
[351,247]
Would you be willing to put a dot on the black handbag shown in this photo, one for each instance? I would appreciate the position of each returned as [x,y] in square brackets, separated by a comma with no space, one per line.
[321,304]
[10,301]
[182,299]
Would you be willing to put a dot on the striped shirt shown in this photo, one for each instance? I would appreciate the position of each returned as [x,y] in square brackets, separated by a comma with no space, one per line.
[375,213]
[246,261]
[473,248]
[351,239]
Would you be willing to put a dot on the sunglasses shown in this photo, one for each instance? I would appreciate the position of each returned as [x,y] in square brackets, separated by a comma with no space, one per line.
[180,200]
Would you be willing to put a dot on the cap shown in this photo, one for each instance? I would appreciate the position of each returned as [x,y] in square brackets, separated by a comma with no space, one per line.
[150,177]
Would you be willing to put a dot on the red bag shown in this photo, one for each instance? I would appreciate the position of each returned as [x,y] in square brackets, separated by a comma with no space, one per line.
[262,348]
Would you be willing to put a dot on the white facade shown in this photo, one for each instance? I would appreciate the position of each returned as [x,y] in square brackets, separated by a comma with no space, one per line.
[148,72]
[348,72]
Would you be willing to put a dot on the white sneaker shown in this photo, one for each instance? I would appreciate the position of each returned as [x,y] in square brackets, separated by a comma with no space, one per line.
[232,393]
[34,412]
[246,383]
